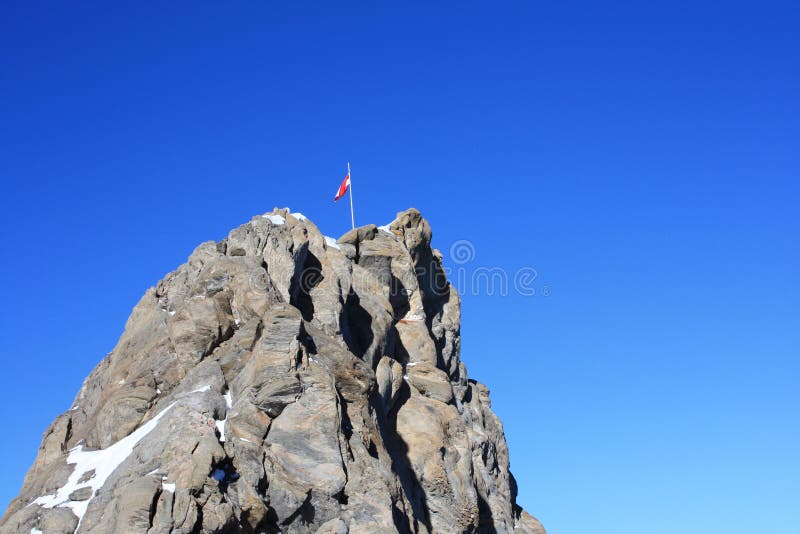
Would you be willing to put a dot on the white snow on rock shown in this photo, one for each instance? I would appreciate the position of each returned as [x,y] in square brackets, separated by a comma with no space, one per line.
[103,461]
[299,216]
[36,531]
[221,428]
[385,228]
[331,242]
[221,424]
[202,389]
[168,487]
[275,219]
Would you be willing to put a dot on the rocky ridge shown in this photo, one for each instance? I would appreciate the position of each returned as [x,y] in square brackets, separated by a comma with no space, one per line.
[283,381]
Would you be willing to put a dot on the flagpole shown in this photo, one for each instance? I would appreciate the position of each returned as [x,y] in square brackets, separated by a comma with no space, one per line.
[352,217]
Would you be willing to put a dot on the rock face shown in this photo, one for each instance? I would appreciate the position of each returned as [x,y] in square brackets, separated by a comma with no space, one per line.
[281,381]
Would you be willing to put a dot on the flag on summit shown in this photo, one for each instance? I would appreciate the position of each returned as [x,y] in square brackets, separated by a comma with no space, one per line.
[343,188]
[347,185]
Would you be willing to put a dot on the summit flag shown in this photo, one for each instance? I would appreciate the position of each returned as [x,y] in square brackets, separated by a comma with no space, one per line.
[343,188]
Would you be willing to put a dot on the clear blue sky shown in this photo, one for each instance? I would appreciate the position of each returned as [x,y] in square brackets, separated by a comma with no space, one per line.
[642,157]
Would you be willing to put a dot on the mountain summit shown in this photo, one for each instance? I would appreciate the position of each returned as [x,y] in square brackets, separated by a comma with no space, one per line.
[282,381]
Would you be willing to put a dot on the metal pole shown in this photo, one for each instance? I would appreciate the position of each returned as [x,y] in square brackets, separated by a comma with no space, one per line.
[352,217]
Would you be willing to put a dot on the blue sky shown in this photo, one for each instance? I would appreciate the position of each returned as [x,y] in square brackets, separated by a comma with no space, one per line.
[641,157]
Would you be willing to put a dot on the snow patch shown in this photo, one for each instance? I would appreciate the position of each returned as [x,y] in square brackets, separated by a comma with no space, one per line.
[275,219]
[218,475]
[221,428]
[202,389]
[168,487]
[245,439]
[385,228]
[103,461]
[36,531]
[412,364]
[331,242]
[221,423]
[299,216]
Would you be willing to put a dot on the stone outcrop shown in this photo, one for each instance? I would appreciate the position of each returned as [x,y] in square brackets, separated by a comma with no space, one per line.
[282,381]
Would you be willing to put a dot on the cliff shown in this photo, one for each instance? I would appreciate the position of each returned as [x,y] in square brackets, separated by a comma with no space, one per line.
[283,381]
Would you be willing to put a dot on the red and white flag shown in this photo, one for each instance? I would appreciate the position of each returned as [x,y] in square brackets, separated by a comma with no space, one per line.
[344,187]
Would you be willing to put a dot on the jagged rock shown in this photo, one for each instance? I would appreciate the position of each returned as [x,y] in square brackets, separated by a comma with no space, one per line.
[280,381]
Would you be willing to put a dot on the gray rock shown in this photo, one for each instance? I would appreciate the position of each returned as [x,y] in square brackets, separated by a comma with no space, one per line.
[276,383]
[81,494]
[430,381]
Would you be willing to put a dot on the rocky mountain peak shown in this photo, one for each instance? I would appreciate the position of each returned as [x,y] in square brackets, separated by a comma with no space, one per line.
[283,381]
